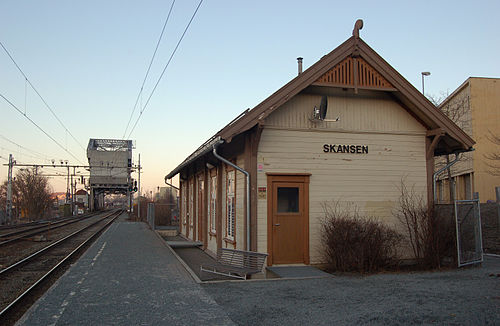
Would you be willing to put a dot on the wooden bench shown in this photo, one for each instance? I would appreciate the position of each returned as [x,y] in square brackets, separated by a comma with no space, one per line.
[236,263]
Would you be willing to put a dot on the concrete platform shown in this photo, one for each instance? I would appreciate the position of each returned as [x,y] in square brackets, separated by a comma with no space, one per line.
[127,277]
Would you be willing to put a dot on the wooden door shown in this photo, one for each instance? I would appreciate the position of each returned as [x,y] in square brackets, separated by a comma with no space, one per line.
[289,219]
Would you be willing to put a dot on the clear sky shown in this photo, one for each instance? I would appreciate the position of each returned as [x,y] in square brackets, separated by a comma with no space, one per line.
[88,59]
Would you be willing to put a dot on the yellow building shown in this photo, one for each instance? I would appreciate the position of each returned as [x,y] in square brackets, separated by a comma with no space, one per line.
[475,107]
[349,128]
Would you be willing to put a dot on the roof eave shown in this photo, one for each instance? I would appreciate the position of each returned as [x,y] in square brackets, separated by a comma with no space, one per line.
[455,92]
[201,151]
[289,90]
[413,95]
[435,117]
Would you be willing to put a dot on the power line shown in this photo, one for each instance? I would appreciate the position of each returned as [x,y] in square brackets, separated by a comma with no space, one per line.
[40,155]
[149,68]
[40,96]
[40,128]
[23,154]
[165,68]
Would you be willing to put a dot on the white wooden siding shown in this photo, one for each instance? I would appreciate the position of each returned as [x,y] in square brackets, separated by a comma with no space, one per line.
[396,144]
[372,112]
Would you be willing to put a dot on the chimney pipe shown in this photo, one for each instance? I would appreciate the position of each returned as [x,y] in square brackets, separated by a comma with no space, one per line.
[299,61]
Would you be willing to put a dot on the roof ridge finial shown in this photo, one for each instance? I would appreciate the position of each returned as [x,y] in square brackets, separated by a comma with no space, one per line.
[357,26]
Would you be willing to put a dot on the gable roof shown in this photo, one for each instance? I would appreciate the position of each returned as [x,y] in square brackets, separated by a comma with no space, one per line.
[383,77]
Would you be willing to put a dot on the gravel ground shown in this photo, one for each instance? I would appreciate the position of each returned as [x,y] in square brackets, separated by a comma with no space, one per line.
[469,296]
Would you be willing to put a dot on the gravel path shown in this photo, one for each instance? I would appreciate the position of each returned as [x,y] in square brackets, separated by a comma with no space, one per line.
[469,296]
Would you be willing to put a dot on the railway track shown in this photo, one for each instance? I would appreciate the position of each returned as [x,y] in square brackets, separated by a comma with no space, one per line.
[22,282]
[6,227]
[20,246]
[25,231]
[9,230]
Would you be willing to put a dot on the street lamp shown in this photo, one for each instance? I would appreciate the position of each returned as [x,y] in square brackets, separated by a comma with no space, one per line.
[424,73]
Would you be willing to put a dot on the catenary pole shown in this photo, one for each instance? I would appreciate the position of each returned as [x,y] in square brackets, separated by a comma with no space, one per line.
[67,186]
[72,194]
[9,190]
[139,191]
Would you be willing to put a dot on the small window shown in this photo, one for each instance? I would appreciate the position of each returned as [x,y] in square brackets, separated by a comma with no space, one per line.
[440,189]
[230,205]
[191,202]
[468,186]
[288,200]
[184,202]
[212,202]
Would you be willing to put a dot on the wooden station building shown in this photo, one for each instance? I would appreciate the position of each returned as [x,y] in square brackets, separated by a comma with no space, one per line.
[260,183]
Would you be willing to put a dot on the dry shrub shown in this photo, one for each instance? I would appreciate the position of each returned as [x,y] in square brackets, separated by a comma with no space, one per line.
[354,243]
[430,233]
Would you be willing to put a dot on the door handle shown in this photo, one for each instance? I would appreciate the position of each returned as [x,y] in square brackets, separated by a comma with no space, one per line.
[277,224]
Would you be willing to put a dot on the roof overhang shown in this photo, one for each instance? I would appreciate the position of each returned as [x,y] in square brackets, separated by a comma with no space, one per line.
[452,138]
[201,151]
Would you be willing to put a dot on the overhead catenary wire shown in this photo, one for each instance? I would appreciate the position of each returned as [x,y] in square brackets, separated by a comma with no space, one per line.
[164,69]
[11,151]
[39,128]
[161,75]
[149,69]
[39,95]
[40,155]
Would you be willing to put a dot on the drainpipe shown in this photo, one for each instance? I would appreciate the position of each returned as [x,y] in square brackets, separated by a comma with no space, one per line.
[434,176]
[176,197]
[247,175]
[169,184]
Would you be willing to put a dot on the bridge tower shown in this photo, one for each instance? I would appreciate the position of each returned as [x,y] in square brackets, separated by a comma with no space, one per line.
[110,162]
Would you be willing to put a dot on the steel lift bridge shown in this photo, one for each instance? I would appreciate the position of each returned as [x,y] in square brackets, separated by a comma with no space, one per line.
[110,162]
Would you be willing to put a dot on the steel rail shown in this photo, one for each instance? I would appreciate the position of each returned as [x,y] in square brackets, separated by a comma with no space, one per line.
[39,224]
[58,265]
[36,227]
[35,254]
[43,228]
[13,226]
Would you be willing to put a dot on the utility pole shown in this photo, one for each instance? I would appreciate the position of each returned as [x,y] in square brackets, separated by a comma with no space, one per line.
[67,188]
[139,188]
[72,194]
[9,190]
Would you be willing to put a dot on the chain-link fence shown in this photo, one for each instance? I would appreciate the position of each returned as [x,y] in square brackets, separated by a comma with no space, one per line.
[469,237]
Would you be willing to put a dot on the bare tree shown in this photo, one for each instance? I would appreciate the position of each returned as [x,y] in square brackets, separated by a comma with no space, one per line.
[430,233]
[494,157]
[15,198]
[33,194]
[458,110]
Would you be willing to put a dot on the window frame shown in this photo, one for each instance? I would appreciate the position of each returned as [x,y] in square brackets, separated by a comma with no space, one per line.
[212,202]
[191,202]
[230,236]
